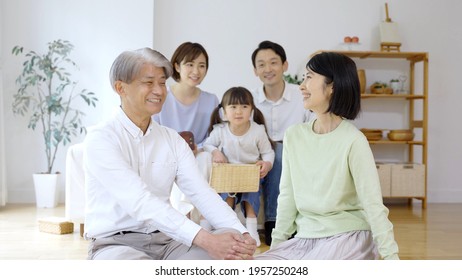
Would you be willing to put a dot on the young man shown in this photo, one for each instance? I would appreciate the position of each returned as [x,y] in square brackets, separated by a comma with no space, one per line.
[282,105]
[130,165]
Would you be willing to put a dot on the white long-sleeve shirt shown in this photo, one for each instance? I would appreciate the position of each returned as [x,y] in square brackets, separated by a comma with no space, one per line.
[281,114]
[129,178]
[249,148]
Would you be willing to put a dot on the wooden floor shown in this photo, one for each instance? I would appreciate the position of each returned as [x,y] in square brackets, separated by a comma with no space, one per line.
[434,233]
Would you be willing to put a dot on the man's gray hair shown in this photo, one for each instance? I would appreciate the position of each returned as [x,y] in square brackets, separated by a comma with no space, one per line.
[128,64]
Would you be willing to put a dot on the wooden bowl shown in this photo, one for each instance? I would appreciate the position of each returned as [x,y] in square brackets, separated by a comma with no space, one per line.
[372,134]
[401,135]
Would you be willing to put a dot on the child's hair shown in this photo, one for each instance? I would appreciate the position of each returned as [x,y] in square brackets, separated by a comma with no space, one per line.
[237,96]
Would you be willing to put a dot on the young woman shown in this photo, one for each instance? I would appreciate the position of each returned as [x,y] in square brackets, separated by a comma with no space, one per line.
[241,138]
[330,191]
[188,108]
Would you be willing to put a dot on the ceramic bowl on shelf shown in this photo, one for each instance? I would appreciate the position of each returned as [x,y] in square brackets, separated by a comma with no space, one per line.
[400,135]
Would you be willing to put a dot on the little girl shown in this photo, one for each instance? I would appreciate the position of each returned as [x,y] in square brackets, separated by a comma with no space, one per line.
[241,138]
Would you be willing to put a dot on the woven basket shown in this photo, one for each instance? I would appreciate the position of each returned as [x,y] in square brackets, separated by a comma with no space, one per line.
[235,178]
[380,89]
[56,225]
[408,179]
[384,171]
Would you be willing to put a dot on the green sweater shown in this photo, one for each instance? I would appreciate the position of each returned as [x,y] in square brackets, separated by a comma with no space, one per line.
[330,185]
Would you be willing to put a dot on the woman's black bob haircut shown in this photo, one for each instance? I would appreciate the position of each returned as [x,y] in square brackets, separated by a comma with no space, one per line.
[340,70]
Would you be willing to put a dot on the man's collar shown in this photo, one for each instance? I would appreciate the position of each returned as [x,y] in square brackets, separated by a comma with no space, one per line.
[262,97]
[131,127]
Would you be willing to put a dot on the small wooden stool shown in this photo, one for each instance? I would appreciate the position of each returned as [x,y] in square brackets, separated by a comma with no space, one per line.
[389,47]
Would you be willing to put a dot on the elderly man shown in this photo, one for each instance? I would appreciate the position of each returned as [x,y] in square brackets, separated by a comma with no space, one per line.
[131,163]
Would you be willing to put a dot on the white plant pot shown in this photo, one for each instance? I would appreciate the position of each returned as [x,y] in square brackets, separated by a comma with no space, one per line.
[395,86]
[46,190]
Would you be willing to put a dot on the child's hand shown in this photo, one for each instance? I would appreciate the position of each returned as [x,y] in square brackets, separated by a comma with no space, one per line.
[218,157]
[265,167]
[195,150]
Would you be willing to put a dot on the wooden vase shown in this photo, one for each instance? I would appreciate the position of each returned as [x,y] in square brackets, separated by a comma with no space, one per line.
[362,80]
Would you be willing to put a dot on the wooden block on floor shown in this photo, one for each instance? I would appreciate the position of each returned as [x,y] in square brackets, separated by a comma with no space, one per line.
[56,225]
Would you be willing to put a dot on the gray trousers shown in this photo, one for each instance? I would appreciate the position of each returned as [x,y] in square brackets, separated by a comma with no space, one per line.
[353,245]
[142,246]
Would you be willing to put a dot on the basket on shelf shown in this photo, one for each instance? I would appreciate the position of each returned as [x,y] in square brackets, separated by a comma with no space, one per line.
[235,178]
[379,88]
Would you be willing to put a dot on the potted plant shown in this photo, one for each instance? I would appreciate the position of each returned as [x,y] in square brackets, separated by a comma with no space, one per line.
[292,79]
[47,95]
[380,88]
[394,84]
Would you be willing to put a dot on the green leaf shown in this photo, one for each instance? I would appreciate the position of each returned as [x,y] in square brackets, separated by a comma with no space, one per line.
[46,96]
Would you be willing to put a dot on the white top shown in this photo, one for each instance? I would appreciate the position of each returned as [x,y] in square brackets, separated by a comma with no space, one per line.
[283,113]
[249,148]
[129,177]
[194,117]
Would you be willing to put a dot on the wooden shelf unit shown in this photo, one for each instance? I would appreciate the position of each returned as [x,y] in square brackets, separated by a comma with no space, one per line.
[422,123]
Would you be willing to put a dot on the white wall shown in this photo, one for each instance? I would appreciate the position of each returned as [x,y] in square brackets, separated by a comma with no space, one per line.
[2,125]
[230,31]
[99,30]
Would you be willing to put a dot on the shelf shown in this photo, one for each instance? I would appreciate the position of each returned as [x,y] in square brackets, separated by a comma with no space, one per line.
[386,141]
[411,56]
[392,96]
